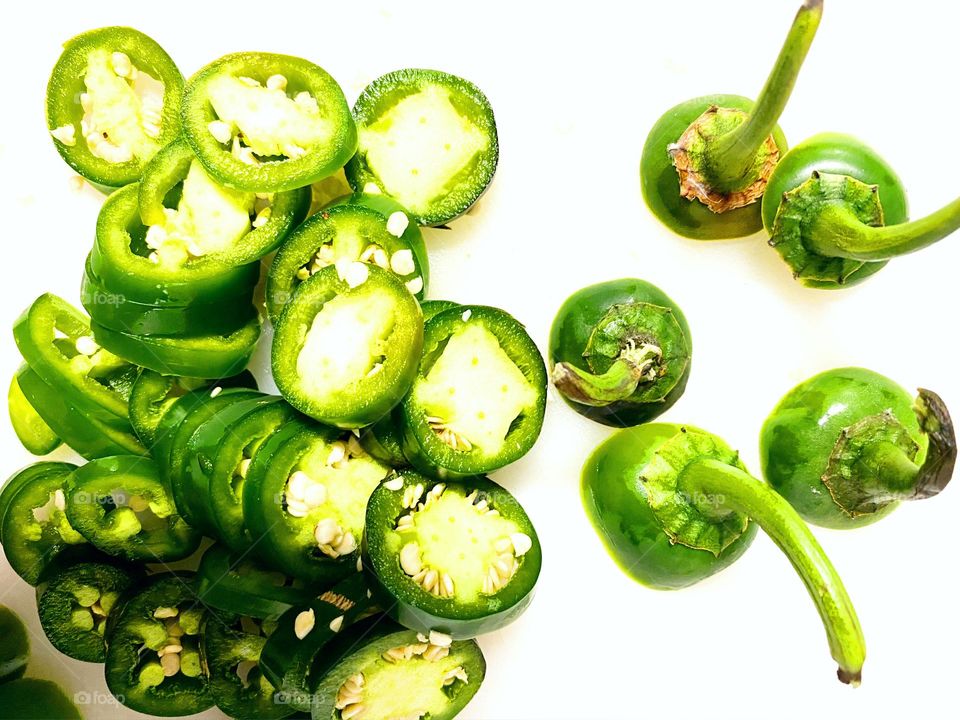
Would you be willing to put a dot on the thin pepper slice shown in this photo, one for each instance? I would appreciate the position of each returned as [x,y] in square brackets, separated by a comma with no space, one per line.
[122,507]
[113,101]
[264,122]
[35,435]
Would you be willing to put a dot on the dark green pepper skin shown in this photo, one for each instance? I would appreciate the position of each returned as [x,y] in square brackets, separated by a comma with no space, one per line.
[32,546]
[284,173]
[288,660]
[131,628]
[801,436]
[661,184]
[34,699]
[57,600]
[615,501]
[837,154]
[578,318]
[225,644]
[237,584]
[67,84]
[14,646]
[414,607]
[92,509]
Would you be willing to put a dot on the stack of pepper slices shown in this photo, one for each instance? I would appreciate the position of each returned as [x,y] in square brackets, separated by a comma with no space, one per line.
[351,543]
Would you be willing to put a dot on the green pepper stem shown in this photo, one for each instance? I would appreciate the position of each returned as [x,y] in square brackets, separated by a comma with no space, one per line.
[836,232]
[735,152]
[733,489]
[619,382]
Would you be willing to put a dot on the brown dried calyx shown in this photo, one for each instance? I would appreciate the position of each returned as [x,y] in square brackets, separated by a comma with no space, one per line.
[689,159]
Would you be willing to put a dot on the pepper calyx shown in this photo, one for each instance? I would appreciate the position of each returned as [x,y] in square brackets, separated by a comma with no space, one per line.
[697,167]
[691,518]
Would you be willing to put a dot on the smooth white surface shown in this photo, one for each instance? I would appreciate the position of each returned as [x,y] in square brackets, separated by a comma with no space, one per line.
[575,87]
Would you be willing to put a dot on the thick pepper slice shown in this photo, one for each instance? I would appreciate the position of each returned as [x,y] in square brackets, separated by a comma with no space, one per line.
[123,261]
[117,312]
[370,228]
[75,601]
[426,138]
[33,433]
[94,381]
[88,436]
[33,699]
[123,508]
[462,559]
[478,400]
[206,356]
[238,584]
[620,352]
[34,527]
[231,226]
[153,394]
[346,347]
[113,101]
[153,662]
[14,646]
[263,122]
[294,650]
[304,498]
[437,675]
[231,647]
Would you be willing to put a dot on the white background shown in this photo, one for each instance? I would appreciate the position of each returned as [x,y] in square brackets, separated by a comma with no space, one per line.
[575,87]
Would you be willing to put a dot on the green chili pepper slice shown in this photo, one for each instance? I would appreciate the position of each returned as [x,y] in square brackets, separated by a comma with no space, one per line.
[96,381]
[123,508]
[303,634]
[429,308]
[384,440]
[263,122]
[231,647]
[369,228]
[14,646]
[674,504]
[229,463]
[113,101]
[163,618]
[32,432]
[707,161]
[620,352]
[847,445]
[75,601]
[237,583]
[192,461]
[427,139]
[86,435]
[153,394]
[33,699]
[231,226]
[174,454]
[35,530]
[124,262]
[117,312]
[462,559]
[439,679]
[304,497]
[208,356]
[346,346]
[478,400]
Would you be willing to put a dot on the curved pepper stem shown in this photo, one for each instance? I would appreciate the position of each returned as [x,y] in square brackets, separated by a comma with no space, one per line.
[733,489]
[619,382]
[836,232]
[735,152]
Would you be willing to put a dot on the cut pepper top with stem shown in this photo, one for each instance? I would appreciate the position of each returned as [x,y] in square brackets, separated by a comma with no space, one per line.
[674,504]
[707,161]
